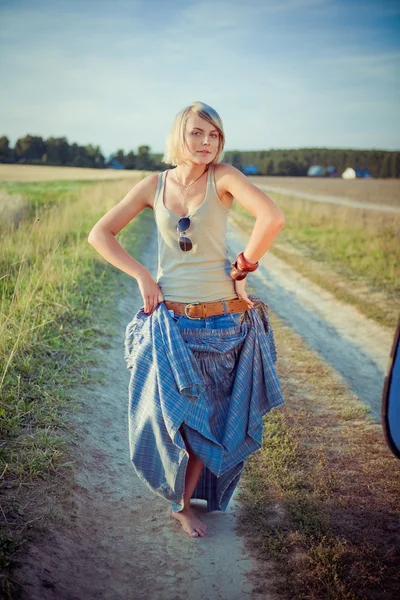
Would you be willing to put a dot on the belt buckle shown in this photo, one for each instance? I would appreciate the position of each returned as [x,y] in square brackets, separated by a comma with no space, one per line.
[186,314]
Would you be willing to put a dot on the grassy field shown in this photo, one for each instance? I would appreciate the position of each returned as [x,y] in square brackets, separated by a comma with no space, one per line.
[351,254]
[24,201]
[319,499]
[44,173]
[52,286]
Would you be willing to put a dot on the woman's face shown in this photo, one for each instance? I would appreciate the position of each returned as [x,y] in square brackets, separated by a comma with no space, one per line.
[202,140]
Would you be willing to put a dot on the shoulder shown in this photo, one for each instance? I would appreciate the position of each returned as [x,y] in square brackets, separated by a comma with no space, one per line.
[225,169]
[147,187]
[226,174]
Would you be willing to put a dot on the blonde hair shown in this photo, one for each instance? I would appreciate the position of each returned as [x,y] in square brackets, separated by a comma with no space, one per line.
[175,144]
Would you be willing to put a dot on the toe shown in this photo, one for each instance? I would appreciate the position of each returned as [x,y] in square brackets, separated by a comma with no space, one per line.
[201,532]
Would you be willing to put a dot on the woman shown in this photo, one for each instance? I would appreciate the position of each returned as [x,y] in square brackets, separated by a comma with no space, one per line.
[200,350]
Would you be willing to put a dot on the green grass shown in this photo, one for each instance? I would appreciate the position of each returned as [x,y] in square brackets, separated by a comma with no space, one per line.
[53,286]
[356,251]
[314,558]
[357,261]
[23,203]
[41,193]
[320,498]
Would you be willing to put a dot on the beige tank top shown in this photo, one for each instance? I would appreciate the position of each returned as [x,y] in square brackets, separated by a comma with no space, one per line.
[202,273]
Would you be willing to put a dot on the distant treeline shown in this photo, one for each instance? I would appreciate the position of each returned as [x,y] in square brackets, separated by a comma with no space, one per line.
[380,163]
[35,150]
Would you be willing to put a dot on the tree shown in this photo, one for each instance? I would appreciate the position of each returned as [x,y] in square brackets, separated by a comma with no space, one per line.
[236,160]
[120,157]
[130,160]
[95,156]
[6,153]
[143,159]
[58,151]
[29,149]
[270,167]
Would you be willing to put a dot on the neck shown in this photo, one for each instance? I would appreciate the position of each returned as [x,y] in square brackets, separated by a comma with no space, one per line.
[189,173]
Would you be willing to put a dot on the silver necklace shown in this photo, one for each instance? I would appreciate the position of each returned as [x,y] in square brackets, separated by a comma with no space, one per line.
[187,187]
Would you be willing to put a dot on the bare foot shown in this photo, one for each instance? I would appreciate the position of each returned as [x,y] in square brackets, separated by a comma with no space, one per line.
[190,523]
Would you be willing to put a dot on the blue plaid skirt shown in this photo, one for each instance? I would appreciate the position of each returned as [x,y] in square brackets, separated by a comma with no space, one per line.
[212,380]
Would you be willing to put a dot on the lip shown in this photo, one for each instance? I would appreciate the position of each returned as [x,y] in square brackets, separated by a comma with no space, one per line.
[204,152]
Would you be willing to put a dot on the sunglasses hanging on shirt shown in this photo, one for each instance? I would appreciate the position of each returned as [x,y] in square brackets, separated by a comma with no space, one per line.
[184,242]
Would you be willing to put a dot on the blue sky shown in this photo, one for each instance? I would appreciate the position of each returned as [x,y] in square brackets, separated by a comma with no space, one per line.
[281,73]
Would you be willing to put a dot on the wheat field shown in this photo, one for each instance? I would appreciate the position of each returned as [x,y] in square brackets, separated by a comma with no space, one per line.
[46,173]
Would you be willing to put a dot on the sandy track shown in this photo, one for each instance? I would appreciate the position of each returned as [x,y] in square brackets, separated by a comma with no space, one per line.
[357,347]
[120,543]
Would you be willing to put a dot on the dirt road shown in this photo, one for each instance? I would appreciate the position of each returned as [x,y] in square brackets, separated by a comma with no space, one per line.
[119,542]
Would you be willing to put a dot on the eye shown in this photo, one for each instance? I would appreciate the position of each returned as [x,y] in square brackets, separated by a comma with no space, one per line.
[195,132]
[215,134]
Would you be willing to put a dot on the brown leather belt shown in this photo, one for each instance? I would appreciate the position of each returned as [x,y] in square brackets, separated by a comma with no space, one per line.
[202,310]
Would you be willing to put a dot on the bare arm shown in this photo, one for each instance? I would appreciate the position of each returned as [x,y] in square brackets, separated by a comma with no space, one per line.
[269,217]
[102,238]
